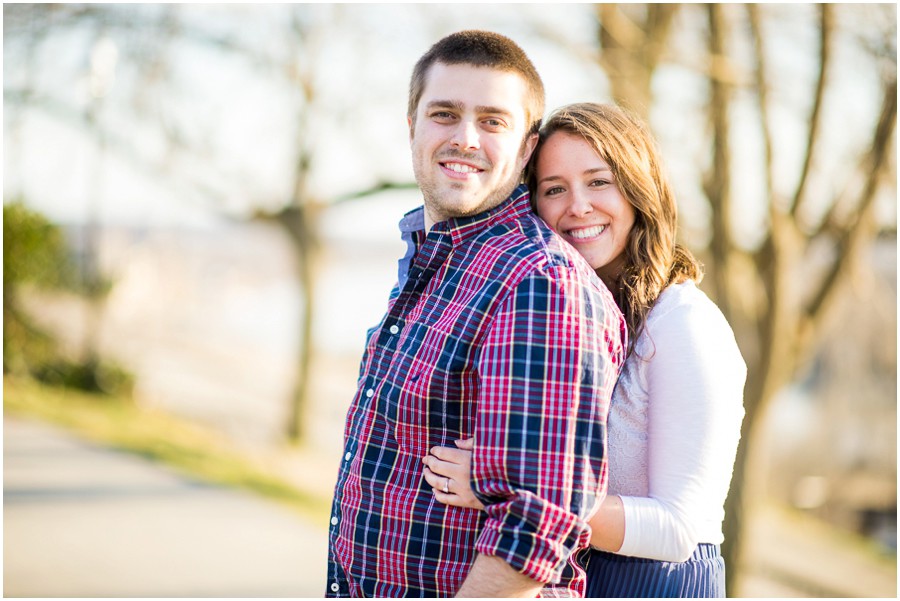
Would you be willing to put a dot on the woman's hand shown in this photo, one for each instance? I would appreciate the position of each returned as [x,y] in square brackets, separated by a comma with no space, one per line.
[448,471]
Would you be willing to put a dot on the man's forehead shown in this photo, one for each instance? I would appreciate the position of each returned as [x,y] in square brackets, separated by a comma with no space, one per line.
[476,87]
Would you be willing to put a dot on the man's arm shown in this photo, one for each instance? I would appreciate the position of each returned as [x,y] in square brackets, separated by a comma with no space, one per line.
[492,577]
[539,462]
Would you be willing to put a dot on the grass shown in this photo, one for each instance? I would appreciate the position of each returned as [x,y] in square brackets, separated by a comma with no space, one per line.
[191,449]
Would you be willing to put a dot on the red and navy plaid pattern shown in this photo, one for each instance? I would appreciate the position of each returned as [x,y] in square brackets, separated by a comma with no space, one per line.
[502,332]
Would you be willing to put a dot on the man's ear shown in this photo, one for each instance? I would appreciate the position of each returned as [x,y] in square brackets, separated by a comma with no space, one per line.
[528,148]
[409,124]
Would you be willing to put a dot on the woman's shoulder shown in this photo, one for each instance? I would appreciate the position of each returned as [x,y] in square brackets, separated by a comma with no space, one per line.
[682,300]
[685,310]
[686,325]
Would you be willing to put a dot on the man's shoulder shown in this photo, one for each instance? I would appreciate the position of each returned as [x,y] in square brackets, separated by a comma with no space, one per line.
[529,239]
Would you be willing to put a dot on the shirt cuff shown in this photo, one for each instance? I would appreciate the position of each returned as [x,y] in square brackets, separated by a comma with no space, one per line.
[631,545]
[652,532]
[537,542]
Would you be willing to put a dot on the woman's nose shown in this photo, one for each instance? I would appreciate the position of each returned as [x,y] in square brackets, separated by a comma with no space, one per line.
[579,204]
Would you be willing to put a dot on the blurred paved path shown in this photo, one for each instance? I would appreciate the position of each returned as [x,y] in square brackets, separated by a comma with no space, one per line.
[80,520]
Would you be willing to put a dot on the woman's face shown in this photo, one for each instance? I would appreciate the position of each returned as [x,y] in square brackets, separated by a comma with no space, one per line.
[578,197]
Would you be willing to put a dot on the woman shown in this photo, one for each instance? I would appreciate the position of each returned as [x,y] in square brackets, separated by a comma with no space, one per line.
[675,416]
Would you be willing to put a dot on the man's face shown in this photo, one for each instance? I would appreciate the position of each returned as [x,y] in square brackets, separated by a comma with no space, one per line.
[467,139]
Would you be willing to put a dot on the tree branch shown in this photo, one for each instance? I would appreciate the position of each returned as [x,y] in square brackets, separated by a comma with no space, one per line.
[382,186]
[717,181]
[855,232]
[762,93]
[815,121]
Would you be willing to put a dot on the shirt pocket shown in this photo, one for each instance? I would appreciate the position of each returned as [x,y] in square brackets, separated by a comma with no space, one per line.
[434,383]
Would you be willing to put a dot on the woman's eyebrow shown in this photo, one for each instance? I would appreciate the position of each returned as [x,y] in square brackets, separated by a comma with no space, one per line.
[551,178]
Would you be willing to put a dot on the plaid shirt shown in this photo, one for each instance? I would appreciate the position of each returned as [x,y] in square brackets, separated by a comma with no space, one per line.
[500,331]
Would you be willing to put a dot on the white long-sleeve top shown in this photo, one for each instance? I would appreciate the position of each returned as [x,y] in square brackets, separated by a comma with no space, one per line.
[674,425]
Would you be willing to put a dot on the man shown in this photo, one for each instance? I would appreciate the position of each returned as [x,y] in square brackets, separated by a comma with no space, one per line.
[497,330]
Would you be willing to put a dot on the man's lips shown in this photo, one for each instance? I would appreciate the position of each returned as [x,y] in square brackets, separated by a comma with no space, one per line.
[459,169]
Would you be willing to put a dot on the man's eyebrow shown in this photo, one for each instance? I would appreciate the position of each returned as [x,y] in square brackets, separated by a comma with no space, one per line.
[445,104]
[493,110]
[459,106]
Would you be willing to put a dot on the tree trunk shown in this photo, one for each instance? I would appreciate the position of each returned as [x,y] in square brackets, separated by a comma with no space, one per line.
[299,222]
[633,39]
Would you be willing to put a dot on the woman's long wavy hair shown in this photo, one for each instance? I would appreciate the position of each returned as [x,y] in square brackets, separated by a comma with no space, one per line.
[652,258]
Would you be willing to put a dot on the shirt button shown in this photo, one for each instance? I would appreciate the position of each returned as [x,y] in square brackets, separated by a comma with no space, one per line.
[369,393]
[347,456]
[394,329]
[334,521]
[334,587]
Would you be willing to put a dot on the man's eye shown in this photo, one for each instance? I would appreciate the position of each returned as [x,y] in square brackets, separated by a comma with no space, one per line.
[495,124]
[442,115]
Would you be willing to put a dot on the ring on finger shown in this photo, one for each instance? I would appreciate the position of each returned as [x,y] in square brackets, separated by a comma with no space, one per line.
[447,486]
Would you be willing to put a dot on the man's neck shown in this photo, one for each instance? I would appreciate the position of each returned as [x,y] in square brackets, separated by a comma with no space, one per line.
[428,221]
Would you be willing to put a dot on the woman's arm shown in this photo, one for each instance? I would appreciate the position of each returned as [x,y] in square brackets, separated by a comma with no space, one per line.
[608,525]
[450,469]
[694,379]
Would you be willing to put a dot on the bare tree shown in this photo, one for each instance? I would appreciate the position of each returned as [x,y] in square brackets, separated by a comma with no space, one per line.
[633,40]
[296,68]
[779,333]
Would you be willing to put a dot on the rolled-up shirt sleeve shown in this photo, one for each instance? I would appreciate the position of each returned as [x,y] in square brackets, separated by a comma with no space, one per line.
[547,370]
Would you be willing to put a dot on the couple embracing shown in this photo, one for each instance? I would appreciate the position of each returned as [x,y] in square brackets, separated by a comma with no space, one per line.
[549,406]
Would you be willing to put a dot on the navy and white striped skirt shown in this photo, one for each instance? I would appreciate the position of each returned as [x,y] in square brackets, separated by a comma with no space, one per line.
[611,575]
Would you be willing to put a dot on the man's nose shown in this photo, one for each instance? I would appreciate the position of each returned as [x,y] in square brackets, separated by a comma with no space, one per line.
[465,136]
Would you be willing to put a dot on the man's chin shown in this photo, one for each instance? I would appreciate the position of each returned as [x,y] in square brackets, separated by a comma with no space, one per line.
[458,202]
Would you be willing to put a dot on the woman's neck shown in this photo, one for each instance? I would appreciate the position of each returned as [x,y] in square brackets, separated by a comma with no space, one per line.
[611,273]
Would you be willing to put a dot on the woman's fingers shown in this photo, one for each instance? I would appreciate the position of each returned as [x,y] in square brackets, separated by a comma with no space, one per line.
[448,469]
[451,455]
[466,444]
[434,480]
[437,484]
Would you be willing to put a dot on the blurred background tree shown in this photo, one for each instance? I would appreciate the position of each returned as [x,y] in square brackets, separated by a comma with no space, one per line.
[776,293]
[296,68]
[34,252]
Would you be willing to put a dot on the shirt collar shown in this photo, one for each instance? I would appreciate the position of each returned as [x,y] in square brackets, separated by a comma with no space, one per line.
[413,221]
[463,228]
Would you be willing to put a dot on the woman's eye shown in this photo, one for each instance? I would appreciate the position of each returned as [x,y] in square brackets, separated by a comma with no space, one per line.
[553,191]
[599,183]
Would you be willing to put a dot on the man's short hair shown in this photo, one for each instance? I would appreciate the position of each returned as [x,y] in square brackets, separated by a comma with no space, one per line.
[481,49]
